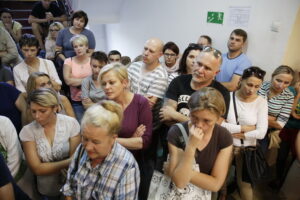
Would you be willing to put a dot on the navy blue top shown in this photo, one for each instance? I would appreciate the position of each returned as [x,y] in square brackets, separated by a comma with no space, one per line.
[9,95]
[6,178]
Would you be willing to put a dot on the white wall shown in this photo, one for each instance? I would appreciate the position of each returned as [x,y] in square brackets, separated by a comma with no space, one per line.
[183,21]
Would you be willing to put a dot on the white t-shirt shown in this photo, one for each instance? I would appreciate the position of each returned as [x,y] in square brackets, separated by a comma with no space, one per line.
[249,113]
[65,128]
[21,73]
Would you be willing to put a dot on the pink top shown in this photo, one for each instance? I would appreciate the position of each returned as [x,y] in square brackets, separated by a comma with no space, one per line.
[78,71]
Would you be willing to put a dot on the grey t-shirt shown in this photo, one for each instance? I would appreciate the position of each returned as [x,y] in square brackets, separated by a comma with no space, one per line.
[89,90]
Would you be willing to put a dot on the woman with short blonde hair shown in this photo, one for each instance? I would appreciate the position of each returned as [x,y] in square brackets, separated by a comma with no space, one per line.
[49,141]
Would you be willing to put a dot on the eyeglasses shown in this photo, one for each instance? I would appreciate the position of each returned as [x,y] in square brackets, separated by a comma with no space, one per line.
[169,54]
[54,30]
[216,52]
[253,71]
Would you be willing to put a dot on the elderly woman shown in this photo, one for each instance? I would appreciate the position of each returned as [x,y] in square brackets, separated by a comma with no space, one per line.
[246,121]
[91,88]
[100,154]
[75,70]
[280,99]
[49,141]
[35,81]
[32,63]
[136,129]
[209,145]
[50,42]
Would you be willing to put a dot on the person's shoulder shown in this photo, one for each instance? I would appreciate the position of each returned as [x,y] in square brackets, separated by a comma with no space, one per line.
[124,155]
[19,67]
[140,99]
[183,78]
[221,88]
[222,133]
[37,4]
[4,120]
[65,118]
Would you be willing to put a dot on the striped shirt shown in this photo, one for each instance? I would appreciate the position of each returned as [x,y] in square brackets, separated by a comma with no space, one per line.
[152,83]
[117,177]
[279,106]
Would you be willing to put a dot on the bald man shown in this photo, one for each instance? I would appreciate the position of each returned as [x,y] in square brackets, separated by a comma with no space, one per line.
[205,68]
[148,77]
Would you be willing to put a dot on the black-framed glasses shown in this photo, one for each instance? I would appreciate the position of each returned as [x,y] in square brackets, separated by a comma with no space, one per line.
[216,52]
[54,30]
[169,54]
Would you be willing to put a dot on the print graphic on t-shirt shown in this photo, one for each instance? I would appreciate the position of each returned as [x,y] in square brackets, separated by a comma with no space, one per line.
[182,106]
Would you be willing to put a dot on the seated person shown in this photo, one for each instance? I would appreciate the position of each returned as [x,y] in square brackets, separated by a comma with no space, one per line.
[136,129]
[204,41]
[6,74]
[114,56]
[49,141]
[14,28]
[92,91]
[8,50]
[50,42]
[101,154]
[8,188]
[32,63]
[205,143]
[43,13]
[171,57]
[125,60]
[35,81]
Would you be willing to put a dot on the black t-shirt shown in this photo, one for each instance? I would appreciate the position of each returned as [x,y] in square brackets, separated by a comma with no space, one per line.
[180,90]
[39,11]
[220,139]
[6,178]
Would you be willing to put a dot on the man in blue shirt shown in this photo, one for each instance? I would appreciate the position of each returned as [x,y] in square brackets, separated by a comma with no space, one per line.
[235,61]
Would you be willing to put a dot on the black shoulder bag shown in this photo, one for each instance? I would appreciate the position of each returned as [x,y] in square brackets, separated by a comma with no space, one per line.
[255,166]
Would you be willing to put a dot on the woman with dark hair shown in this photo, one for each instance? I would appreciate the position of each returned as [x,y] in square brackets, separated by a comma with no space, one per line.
[64,48]
[171,55]
[14,28]
[246,121]
[186,61]
[91,87]
[30,47]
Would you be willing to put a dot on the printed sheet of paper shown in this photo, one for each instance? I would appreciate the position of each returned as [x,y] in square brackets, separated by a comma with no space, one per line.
[239,16]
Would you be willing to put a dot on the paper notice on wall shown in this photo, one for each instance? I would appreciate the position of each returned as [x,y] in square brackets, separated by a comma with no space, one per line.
[239,16]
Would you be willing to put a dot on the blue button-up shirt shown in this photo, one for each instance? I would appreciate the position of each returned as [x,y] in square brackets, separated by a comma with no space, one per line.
[117,177]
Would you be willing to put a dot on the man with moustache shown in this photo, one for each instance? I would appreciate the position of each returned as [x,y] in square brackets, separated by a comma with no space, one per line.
[235,61]
[205,68]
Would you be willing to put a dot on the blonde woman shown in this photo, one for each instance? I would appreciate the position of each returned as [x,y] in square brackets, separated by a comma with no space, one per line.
[49,141]
[208,144]
[50,42]
[136,130]
[75,70]
[35,81]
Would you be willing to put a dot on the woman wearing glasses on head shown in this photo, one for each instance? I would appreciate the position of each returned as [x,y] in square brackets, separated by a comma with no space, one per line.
[246,121]
[186,62]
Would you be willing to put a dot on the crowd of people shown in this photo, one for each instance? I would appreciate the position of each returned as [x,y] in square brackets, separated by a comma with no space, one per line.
[85,124]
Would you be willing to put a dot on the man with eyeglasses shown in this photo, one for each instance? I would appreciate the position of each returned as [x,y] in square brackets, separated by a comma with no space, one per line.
[235,61]
[205,68]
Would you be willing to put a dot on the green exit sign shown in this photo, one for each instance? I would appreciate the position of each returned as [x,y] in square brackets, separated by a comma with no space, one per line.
[215,17]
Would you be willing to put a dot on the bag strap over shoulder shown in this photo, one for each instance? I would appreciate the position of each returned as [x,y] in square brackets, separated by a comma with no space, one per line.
[236,115]
[183,132]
